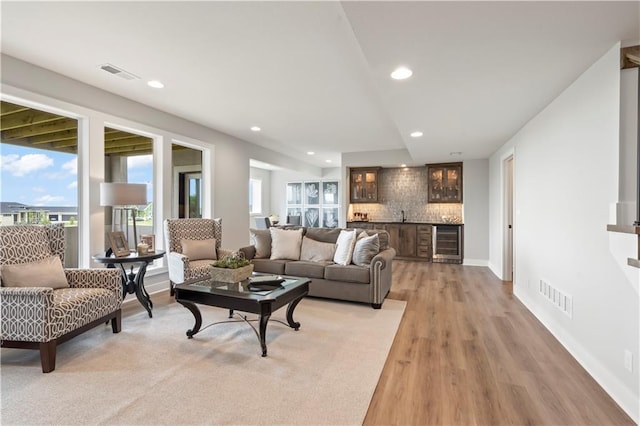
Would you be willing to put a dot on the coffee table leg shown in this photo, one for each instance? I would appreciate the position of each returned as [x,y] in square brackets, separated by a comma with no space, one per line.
[264,319]
[196,313]
[292,305]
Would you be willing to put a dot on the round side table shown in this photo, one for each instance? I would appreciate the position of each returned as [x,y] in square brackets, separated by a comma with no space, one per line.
[132,282]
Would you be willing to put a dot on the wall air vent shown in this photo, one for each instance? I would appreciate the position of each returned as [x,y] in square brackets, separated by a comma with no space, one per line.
[112,69]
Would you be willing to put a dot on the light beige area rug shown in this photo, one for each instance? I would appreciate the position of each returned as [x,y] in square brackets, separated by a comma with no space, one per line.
[151,374]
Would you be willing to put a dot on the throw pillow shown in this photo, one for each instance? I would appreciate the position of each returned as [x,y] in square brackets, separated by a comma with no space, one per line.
[47,272]
[199,249]
[316,251]
[285,243]
[261,240]
[344,247]
[365,249]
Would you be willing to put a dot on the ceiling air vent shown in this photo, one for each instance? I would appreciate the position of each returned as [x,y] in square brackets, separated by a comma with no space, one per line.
[112,69]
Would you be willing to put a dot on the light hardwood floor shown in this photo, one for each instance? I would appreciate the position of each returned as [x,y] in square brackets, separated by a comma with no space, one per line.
[469,353]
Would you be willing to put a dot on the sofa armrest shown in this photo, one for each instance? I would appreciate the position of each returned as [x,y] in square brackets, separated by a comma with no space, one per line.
[177,263]
[249,252]
[28,306]
[385,256]
[107,278]
[381,275]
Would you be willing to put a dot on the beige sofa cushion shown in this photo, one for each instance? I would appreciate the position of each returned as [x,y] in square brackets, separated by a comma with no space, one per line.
[199,249]
[316,251]
[285,243]
[47,272]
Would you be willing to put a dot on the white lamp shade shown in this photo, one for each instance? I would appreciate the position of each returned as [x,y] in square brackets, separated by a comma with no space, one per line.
[123,194]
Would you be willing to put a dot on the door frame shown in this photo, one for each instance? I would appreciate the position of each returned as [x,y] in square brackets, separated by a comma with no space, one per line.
[508,217]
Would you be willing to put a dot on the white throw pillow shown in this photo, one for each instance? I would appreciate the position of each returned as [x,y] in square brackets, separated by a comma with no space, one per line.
[365,249]
[316,251]
[199,249]
[285,243]
[344,247]
[47,272]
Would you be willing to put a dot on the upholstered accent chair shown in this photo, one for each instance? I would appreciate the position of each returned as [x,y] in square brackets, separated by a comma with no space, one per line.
[193,245]
[40,312]
[262,222]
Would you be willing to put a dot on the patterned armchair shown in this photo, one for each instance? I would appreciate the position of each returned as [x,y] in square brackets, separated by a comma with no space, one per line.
[180,232]
[42,317]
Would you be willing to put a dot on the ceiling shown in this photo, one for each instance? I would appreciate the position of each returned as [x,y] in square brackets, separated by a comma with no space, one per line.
[315,75]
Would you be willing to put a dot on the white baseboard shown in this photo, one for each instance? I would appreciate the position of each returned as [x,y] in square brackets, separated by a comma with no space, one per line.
[475,262]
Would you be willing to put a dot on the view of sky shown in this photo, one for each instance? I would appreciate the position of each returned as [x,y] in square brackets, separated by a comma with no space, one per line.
[49,178]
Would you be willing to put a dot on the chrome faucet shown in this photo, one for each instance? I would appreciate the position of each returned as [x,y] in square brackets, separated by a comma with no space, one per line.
[404,219]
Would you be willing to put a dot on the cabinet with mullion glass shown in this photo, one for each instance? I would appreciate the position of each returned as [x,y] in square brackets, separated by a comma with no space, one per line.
[363,185]
[444,183]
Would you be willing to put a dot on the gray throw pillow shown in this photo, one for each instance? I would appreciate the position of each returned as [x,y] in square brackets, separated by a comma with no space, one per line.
[261,240]
[366,248]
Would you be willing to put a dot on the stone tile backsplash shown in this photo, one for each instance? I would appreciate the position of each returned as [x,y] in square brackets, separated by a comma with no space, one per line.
[405,189]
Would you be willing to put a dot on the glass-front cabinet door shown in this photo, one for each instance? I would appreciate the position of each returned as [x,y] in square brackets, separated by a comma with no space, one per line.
[445,183]
[364,185]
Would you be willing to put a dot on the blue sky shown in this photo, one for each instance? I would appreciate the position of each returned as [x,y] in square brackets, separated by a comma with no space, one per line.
[49,178]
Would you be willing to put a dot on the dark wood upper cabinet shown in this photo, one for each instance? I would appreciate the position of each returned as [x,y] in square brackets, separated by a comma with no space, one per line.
[445,183]
[363,185]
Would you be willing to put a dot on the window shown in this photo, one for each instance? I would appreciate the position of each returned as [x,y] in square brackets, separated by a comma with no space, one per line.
[255,196]
[39,175]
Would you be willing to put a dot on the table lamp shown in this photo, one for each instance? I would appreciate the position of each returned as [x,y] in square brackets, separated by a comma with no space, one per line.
[124,198]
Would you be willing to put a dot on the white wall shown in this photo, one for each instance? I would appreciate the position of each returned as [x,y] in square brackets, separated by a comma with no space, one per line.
[566,175]
[476,212]
[230,156]
[626,209]
[264,176]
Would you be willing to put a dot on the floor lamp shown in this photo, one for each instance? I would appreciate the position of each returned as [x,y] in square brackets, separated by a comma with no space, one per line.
[124,198]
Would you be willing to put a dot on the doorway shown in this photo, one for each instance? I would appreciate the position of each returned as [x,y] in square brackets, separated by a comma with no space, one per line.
[508,256]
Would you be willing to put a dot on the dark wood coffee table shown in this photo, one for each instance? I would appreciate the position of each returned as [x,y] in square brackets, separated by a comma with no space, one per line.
[238,296]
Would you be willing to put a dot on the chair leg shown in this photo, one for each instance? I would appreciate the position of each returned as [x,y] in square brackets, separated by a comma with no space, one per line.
[116,323]
[48,356]
[172,291]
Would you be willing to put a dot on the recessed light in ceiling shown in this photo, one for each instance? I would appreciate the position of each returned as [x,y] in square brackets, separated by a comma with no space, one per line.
[310,153]
[156,84]
[328,161]
[255,129]
[455,153]
[416,134]
[403,165]
[401,73]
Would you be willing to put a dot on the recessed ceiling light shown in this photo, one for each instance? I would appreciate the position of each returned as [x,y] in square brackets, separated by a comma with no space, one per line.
[156,84]
[328,161]
[416,134]
[255,129]
[456,153]
[401,73]
[403,165]
[310,153]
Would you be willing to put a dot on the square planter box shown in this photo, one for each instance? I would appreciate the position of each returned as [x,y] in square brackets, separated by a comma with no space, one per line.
[227,275]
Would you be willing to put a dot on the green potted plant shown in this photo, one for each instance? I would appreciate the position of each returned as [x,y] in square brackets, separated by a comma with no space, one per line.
[231,268]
